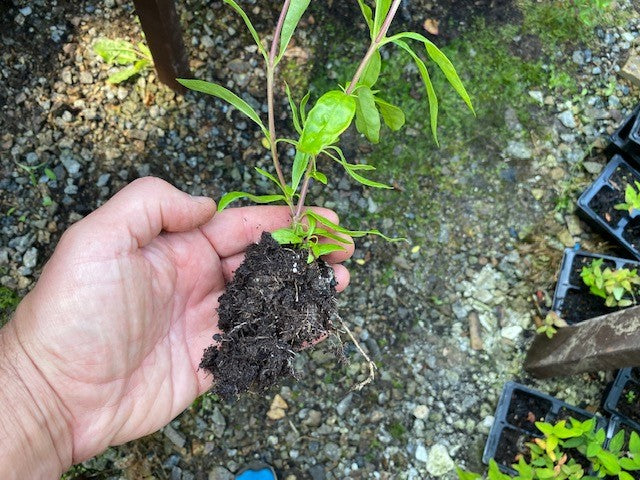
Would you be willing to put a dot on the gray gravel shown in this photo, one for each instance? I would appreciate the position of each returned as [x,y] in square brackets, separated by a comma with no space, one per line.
[485,252]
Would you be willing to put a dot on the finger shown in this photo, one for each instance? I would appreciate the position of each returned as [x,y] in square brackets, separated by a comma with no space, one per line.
[233,230]
[148,206]
[342,277]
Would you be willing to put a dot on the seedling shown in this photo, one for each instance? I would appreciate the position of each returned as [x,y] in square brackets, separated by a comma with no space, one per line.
[551,322]
[630,397]
[614,285]
[319,129]
[631,198]
[123,53]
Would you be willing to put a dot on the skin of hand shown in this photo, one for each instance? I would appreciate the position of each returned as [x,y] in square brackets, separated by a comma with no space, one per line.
[105,348]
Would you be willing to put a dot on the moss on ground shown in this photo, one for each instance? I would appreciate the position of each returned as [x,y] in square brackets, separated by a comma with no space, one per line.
[8,302]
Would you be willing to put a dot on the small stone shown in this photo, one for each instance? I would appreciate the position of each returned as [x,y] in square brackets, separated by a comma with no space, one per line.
[518,150]
[138,135]
[537,193]
[277,408]
[220,473]
[592,167]
[566,238]
[70,164]
[86,77]
[30,258]
[176,437]
[511,332]
[631,69]
[567,119]
[421,412]
[573,225]
[207,42]
[439,461]
[343,405]
[103,180]
[578,57]
[421,454]
[314,418]
[537,96]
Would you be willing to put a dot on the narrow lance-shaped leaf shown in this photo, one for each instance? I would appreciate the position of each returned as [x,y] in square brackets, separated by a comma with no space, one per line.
[372,70]
[382,8]
[227,198]
[329,117]
[367,116]
[294,109]
[127,73]
[286,236]
[300,163]
[294,14]
[352,233]
[441,60]
[431,93]
[367,13]
[393,116]
[249,25]
[226,95]
[303,108]
[320,249]
[350,169]
[286,190]
[319,176]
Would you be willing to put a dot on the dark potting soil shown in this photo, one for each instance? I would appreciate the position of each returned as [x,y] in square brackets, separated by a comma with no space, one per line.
[579,305]
[525,410]
[604,201]
[629,401]
[511,444]
[276,305]
[631,232]
[566,414]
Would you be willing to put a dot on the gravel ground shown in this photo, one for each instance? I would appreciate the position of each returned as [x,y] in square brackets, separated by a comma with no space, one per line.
[487,251]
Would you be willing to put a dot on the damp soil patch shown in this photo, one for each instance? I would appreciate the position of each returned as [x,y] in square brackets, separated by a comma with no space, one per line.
[276,305]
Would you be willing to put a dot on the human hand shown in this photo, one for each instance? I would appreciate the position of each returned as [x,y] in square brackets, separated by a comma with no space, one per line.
[114,330]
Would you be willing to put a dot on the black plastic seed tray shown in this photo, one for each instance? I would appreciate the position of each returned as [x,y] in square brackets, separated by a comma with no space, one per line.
[597,204]
[627,137]
[572,300]
[623,400]
[518,409]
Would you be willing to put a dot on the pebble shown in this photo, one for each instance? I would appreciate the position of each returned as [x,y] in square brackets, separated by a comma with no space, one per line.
[421,412]
[30,258]
[277,408]
[86,78]
[421,454]
[439,462]
[70,164]
[177,438]
[567,119]
[344,404]
[220,473]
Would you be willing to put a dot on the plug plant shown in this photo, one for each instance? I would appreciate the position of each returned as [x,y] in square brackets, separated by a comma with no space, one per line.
[571,451]
[614,285]
[631,198]
[319,128]
[550,324]
[135,58]
[630,397]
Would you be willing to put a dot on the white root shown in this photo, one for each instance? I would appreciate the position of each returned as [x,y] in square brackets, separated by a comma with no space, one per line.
[372,366]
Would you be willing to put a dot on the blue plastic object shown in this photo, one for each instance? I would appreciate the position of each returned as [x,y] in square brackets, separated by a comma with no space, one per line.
[259,473]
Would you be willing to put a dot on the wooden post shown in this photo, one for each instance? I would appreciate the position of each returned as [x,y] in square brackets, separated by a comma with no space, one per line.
[161,27]
[608,342]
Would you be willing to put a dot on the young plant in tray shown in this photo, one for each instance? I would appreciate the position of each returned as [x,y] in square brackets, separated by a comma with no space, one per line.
[135,58]
[631,198]
[614,285]
[310,235]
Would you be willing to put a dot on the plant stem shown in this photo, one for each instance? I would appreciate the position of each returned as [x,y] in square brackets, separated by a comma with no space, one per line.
[374,46]
[304,190]
[271,67]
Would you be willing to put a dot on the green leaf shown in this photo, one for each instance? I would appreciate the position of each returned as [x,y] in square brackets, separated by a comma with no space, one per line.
[367,13]
[294,14]
[372,70]
[294,109]
[609,461]
[303,108]
[431,93]
[465,475]
[352,233]
[329,117]
[382,8]
[145,50]
[320,249]
[227,198]
[634,443]
[287,190]
[544,473]
[226,95]
[127,73]
[545,428]
[442,61]
[393,116]
[593,449]
[46,201]
[624,476]
[286,236]
[367,116]
[116,52]
[300,163]
[321,232]
[319,176]
[51,175]
[617,442]
[247,22]
[366,181]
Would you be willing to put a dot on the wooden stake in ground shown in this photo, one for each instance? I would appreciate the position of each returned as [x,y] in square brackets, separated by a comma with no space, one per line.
[163,33]
[608,342]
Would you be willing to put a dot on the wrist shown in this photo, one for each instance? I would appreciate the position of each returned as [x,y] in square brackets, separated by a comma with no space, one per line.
[35,437]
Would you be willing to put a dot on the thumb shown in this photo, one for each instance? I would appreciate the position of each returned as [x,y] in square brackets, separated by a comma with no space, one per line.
[149,205]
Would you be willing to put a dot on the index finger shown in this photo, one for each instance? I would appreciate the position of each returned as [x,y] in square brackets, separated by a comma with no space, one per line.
[231,231]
